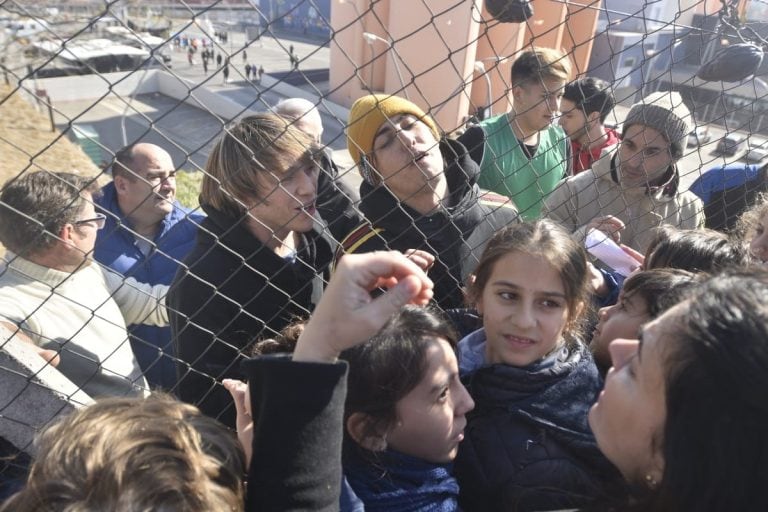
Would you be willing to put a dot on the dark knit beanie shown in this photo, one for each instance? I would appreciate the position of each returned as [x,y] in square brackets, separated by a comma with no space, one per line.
[665,112]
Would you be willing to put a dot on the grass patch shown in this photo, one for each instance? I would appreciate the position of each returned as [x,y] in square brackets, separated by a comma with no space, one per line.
[188,188]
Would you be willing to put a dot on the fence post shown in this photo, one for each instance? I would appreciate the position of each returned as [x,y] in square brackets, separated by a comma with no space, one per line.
[42,94]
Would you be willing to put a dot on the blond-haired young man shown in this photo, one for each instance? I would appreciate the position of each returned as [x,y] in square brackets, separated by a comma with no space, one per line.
[522,153]
[260,259]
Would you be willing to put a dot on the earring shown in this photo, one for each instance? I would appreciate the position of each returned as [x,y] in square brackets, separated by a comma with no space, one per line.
[651,482]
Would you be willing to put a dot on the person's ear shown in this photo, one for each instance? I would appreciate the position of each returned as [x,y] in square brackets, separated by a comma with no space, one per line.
[359,429]
[66,234]
[593,117]
[516,92]
[121,183]
[652,477]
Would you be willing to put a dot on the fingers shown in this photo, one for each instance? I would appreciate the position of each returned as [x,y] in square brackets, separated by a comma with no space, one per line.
[49,355]
[421,258]
[348,315]
[610,225]
[244,422]
[239,392]
[393,266]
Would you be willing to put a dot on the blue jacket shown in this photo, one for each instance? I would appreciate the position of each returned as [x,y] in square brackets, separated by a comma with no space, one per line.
[116,248]
[527,444]
[727,191]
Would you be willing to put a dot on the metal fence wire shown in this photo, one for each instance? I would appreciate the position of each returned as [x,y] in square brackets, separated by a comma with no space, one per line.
[142,135]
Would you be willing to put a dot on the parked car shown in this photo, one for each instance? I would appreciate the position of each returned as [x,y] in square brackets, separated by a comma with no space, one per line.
[732,144]
[699,135]
[758,150]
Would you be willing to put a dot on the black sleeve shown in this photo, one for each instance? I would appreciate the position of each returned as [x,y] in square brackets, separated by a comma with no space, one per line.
[209,330]
[474,140]
[298,411]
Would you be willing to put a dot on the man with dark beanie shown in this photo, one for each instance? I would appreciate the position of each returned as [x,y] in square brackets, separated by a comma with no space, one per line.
[419,191]
[636,188]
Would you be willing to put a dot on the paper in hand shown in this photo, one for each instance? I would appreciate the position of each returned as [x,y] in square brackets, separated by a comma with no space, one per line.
[602,247]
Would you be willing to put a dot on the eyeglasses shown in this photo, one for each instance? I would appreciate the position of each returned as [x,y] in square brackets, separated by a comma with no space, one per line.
[100,219]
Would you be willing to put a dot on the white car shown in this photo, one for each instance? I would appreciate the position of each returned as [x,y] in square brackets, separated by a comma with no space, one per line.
[757,151]
[698,136]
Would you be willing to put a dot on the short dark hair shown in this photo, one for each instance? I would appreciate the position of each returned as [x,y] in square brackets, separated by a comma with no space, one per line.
[591,95]
[34,208]
[695,250]
[123,164]
[548,240]
[392,363]
[660,288]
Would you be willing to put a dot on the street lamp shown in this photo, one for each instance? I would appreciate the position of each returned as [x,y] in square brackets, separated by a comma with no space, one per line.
[370,39]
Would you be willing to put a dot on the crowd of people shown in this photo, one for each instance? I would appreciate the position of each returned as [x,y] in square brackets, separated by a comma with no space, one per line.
[439,340]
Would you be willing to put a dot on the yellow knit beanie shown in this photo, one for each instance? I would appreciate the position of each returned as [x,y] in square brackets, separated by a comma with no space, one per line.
[368,114]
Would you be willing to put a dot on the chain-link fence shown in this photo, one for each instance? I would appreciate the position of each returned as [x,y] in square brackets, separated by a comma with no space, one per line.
[178,173]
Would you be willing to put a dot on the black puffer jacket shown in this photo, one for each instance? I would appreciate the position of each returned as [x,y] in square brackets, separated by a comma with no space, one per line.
[456,235]
[527,444]
[231,290]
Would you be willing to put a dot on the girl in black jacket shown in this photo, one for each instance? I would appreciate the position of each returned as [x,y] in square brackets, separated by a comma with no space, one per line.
[528,445]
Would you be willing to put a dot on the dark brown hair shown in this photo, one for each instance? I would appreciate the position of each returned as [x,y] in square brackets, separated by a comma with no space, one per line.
[660,288]
[35,207]
[548,240]
[388,366]
[695,250]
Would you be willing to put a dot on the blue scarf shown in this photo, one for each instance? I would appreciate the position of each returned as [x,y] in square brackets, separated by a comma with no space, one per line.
[398,482]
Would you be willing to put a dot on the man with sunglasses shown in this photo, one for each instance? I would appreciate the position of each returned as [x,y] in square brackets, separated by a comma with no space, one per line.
[53,295]
[147,234]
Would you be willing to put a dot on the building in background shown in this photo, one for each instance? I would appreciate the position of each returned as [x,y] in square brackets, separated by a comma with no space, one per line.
[449,58]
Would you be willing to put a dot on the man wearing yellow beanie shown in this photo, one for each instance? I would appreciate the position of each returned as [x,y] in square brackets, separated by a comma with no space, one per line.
[419,191]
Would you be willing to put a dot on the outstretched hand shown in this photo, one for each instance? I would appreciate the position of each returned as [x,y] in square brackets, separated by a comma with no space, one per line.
[348,314]
[241,397]
[608,224]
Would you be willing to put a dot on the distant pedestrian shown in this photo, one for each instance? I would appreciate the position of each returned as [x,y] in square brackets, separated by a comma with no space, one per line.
[218,59]
[226,71]
[261,74]
[205,63]
[245,57]
[247,71]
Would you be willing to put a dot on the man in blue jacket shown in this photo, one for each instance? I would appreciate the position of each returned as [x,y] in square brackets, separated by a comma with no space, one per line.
[147,234]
